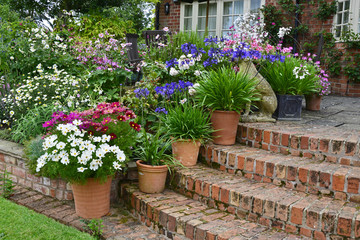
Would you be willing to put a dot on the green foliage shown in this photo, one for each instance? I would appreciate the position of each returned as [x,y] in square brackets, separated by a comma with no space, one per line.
[88,26]
[5,134]
[154,150]
[351,68]
[226,90]
[331,58]
[6,185]
[187,122]
[19,222]
[94,226]
[30,124]
[33,150]
[283,80]
[325,10]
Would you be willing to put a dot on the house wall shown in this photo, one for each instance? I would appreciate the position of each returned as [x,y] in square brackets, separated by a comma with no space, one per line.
[172,20]
[340,84]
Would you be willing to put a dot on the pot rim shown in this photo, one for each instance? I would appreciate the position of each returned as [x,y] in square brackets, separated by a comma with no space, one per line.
[222,111]
[140,163]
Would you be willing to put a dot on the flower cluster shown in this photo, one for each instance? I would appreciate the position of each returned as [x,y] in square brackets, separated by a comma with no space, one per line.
[141,93]
[102,53]
[171,88]
[52,86]
[249,27]
[97,120]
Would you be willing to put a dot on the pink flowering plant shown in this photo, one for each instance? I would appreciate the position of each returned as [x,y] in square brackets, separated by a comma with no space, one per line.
[105,59]
[94,143]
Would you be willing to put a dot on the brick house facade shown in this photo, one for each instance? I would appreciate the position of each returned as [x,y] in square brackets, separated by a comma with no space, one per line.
[341,85]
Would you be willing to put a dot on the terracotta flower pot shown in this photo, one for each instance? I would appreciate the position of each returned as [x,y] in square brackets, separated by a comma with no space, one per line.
[92,200]
[151,178]
[186,151]
[313,102]
[225,123]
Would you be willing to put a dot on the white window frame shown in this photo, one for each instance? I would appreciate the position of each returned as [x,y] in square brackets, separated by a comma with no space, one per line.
[219,13]
[354,17]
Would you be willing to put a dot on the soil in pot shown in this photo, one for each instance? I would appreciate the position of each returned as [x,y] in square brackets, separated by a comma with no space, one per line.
[225,124]
[186,151]
[151,178]
[92,200]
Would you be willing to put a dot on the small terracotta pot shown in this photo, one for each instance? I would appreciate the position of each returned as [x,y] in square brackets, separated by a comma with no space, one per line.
[151,178]
[186,151]
[92,200]
[225,123]
[313,102]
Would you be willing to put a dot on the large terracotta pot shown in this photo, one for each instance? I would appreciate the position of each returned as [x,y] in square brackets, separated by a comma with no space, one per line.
[151,178]
[313,102]
[225,123]
[92,200]
[186,151]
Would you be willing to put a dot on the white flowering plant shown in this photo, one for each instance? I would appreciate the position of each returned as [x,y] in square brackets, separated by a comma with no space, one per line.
[94,143]
[74,155]
[41,88]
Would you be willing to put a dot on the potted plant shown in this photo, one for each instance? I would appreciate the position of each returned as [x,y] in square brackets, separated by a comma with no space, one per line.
[86,149]
[290,80]
[153,163]
[313,100]
[188,126]
[225,92]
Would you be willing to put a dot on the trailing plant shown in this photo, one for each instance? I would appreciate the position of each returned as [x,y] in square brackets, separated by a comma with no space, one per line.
[7,185]
[186,121]
[325,9]
[33,150]
[226,89]
[351,69]
[94,226]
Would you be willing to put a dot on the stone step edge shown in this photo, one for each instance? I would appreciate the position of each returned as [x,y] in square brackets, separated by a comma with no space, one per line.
[189,219]
[277,207]
[305,175]
[344,151]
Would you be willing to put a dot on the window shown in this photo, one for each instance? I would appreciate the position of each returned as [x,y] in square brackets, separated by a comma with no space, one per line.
[347,17]
[222,14]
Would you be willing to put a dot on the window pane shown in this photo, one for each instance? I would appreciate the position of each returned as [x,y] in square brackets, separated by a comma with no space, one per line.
[339,18]
[212,23]
[338,31]
[188,11]
[346,17]
[228,8]
[212,33]
[239,7]
[340,7]
[201,24]
[345,28]
[227,22]
[187,24]
[347,5]
[212,9]
[202,9]
[255,5]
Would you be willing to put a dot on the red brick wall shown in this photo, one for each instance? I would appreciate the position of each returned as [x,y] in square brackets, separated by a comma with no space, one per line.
[172,20]
[339,84]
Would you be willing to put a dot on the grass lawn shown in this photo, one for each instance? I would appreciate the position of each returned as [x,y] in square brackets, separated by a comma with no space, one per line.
[18,222]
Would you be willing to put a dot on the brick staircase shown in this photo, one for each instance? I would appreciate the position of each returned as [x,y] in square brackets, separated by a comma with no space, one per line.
[302,181]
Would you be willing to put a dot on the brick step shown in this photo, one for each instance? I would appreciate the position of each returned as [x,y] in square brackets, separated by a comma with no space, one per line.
[179,217]
[268,204]
[302,174]
[312,141]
